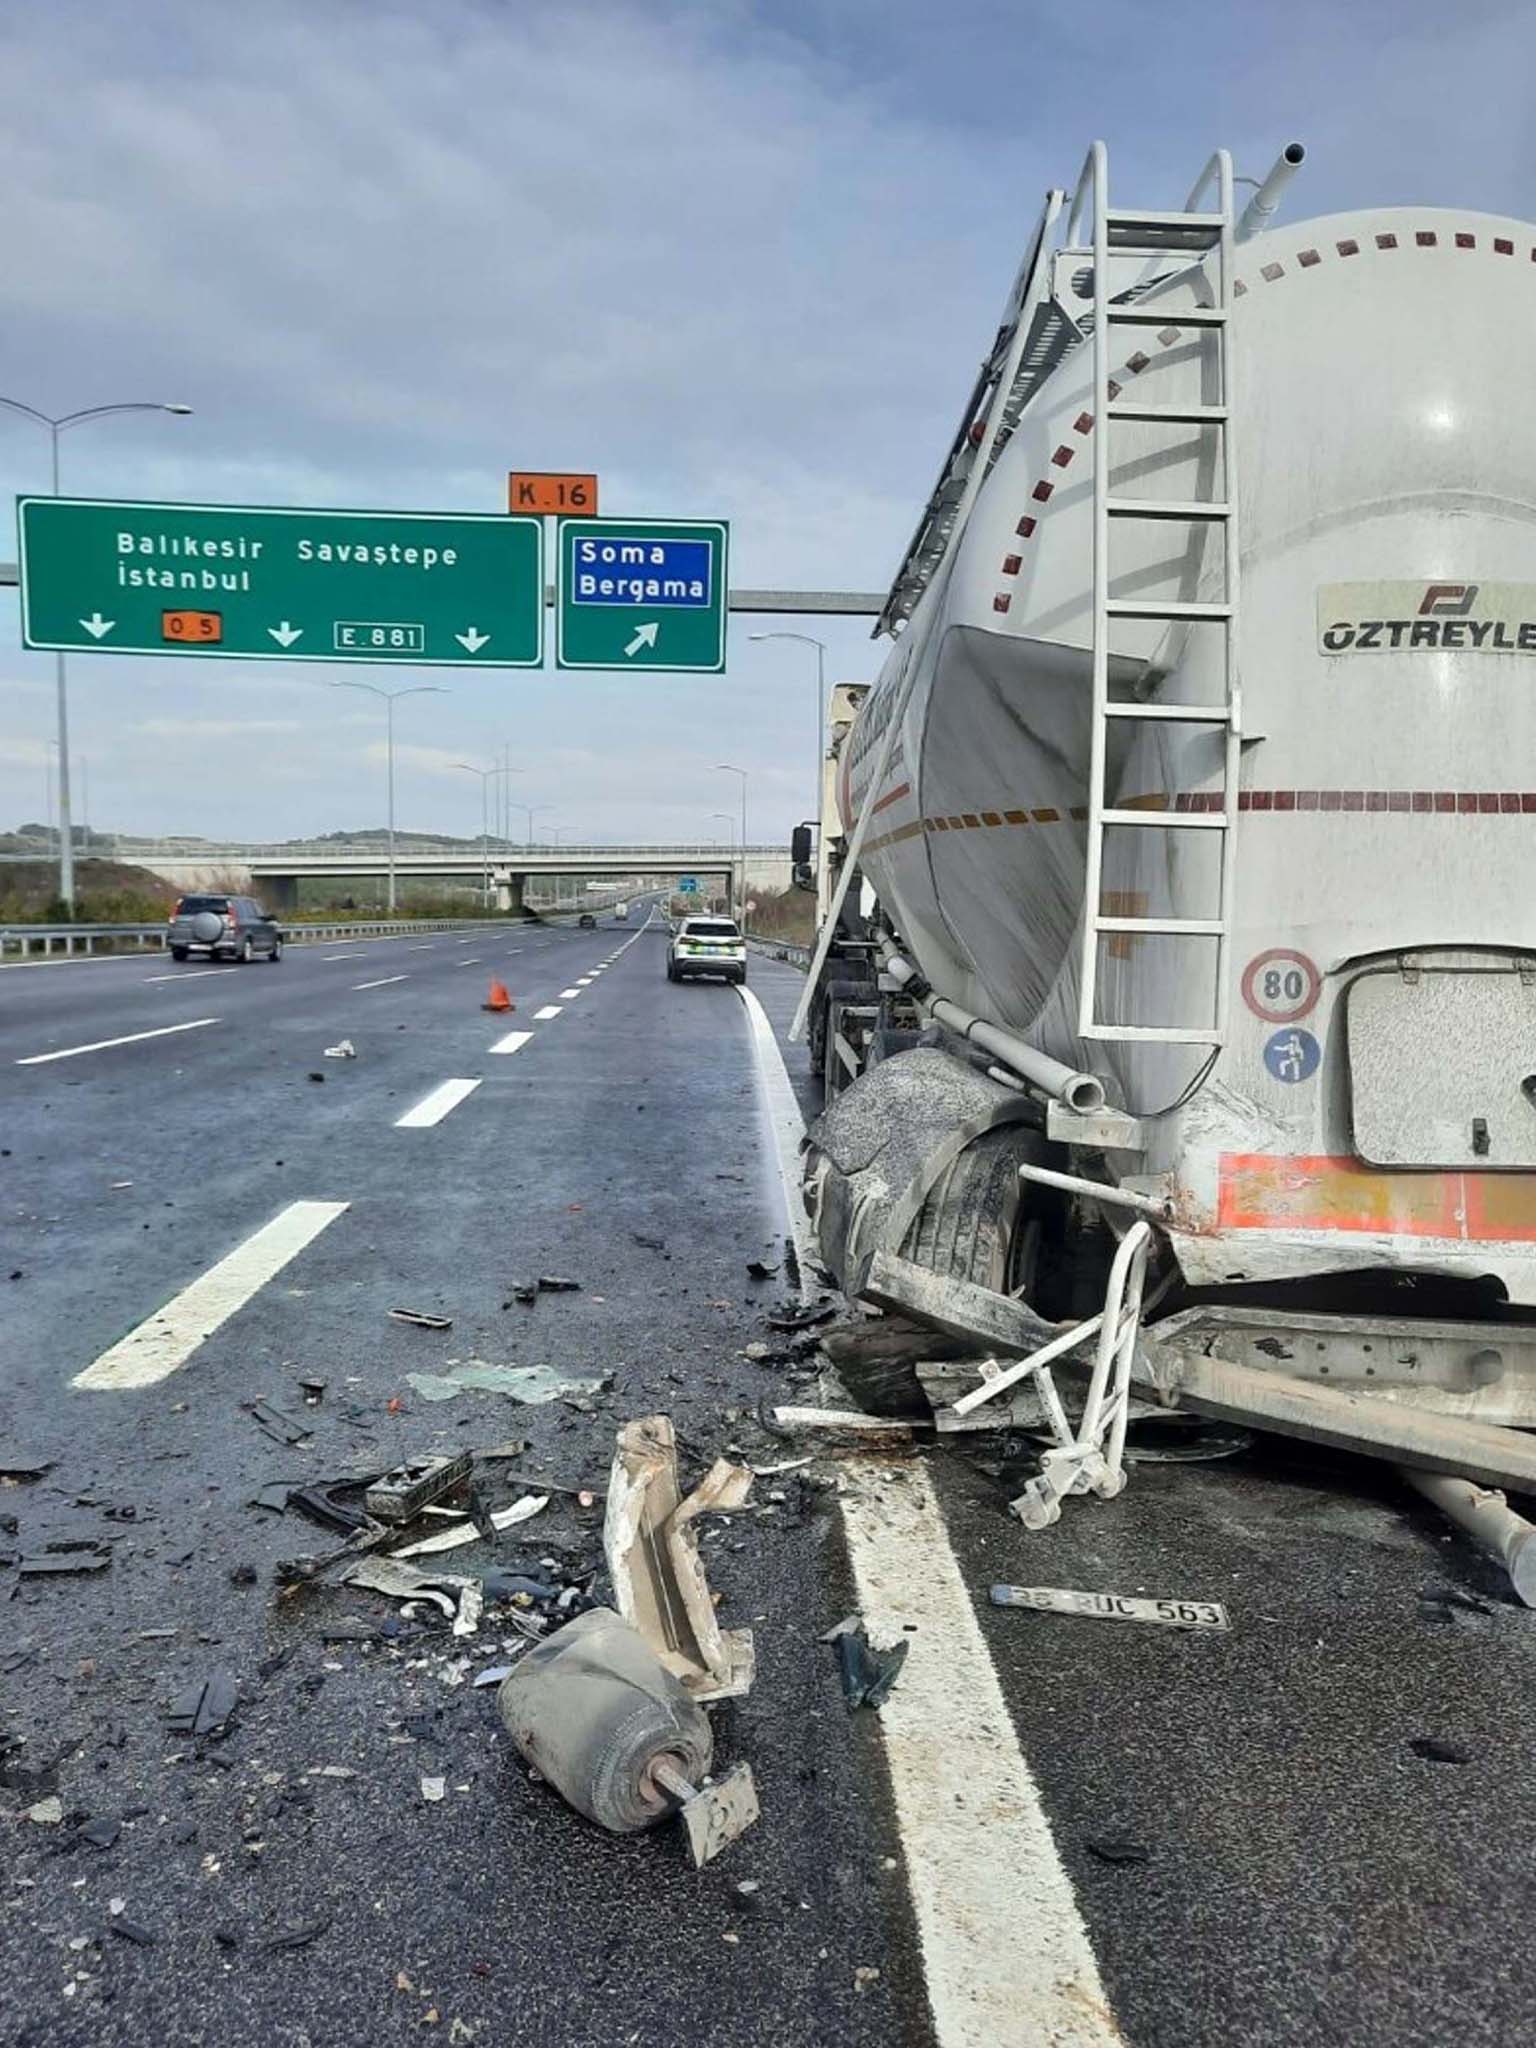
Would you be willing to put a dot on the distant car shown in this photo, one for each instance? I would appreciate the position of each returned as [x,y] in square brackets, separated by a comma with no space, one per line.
[621,912]
[586,922]
[707,945]
[224,927]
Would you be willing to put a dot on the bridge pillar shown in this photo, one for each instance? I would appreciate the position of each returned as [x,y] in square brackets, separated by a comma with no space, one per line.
[509,893]
[278,892]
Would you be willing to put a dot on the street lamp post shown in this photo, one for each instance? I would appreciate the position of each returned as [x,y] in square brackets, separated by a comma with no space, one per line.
[55,428]
[557,833]
[389,697]
[809,640]
[485,775]
[726,769]
[528,811]
[730,834]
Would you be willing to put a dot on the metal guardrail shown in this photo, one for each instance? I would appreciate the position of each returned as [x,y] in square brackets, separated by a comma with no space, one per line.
[781,949]
[69,941]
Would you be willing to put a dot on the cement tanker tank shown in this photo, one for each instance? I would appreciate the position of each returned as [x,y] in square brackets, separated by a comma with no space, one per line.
[1200,784]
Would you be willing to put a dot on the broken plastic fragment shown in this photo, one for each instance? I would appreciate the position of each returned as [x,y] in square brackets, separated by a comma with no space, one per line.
[868,1674]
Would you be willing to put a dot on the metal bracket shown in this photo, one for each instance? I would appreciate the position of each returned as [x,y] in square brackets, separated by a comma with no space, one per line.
[1101,1130]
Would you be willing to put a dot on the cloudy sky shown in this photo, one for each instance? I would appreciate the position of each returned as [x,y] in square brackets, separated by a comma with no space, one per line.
[738,256]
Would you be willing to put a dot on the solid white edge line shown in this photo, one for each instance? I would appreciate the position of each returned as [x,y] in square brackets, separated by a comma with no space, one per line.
[1006,1954]
[549,1010]
[513,1042]
[385,983]
[70,1052]
[167,1339]
[434,1107]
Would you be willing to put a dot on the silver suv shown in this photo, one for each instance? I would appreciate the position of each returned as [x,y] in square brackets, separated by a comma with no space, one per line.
[707,945]
[224,927]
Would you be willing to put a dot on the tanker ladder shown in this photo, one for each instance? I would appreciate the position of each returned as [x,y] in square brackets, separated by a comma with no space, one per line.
[1117,234]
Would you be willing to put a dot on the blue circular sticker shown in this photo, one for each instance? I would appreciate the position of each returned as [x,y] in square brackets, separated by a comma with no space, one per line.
[1292,1055]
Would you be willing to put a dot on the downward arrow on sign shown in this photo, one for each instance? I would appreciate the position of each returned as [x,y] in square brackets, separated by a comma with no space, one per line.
[96,625]
[645,636]
[473,640]
[285,635]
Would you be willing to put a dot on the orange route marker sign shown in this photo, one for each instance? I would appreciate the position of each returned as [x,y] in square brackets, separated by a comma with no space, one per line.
[551,492]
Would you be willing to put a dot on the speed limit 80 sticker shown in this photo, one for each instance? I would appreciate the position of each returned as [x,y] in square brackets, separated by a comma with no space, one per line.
[1281,985]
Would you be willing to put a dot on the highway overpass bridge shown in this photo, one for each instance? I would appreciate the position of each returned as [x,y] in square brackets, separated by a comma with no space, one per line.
[274,870]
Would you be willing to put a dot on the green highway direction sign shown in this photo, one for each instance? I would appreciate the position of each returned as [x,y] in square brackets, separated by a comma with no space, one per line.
[260,583]
[641,593]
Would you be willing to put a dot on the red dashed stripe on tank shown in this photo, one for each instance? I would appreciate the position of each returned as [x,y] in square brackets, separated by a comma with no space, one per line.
[1269,273]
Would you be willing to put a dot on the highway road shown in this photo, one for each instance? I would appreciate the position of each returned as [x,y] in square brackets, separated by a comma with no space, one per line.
[1058,1830]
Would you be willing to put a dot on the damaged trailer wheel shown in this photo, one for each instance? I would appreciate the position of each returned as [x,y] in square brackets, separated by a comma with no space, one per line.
[594,1712]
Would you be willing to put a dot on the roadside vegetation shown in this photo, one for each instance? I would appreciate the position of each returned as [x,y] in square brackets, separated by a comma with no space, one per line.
[788,914]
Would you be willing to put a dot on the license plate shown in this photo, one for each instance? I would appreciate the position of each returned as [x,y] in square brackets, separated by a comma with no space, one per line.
[1113,1606]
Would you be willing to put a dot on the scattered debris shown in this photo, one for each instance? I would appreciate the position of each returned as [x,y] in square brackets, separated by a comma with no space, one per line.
[444,1591]
[844,1627]
[274,1496]
[869,1675]
[280,1427]
[531,1384]
[207,1708]
[13,1465]
[757,1270]
[312,1389]
[102,1833]
[1434,1751]
[798,1315]
[401,1494]
[597,1715]
[1192,1614]
[318,1504]
[131,1930]
[551,1283]
[649,1244]
[47,1813]
[653,1558]
[299,1936]
[419,1319]
[493,1674]
[57,1558]
[346,1050]
[242,1575]
[434,1790]
[1119,1852]
[313,1076]
[849,1422]
[522,1510]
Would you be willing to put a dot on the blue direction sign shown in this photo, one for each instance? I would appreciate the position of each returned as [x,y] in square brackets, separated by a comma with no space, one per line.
[688,885]
[642,593]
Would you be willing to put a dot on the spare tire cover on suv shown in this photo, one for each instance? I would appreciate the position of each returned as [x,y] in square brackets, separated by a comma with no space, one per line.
[207,926]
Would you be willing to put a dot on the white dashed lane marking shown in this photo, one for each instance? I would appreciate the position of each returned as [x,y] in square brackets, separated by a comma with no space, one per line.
[513,1042]
[357,985]
[974,1836]
[71,1052]
[193,974]
[469,960]
[549,1010]
[166,1340]
[569,995]
[434,1107]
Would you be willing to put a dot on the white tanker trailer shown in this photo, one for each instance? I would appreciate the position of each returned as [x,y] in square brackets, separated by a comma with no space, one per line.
[1185,846]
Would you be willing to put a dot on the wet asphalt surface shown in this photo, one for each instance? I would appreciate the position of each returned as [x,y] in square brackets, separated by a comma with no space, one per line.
[496,1913]
[1287,1866]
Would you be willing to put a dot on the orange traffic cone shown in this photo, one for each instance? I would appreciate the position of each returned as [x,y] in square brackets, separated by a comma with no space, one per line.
[498,999]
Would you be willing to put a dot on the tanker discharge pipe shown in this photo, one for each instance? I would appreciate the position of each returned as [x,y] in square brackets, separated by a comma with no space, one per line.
[1262,207]
[1081,1092]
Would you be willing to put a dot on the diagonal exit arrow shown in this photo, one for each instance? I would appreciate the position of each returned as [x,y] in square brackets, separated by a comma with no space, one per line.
[96,625]
[645,636]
